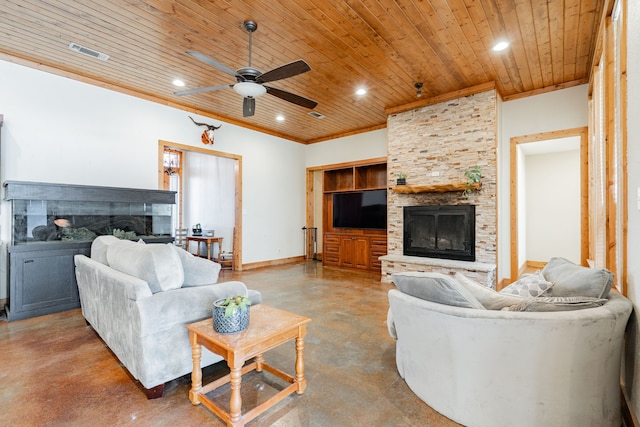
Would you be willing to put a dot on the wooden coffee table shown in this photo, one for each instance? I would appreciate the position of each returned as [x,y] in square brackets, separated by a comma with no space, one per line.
[268,328]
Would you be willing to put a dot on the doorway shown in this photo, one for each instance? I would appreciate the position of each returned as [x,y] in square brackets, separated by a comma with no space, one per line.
[549,199]
[193,158]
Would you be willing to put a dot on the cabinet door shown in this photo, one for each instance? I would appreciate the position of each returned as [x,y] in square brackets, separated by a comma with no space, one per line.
[42,282]
[354,252]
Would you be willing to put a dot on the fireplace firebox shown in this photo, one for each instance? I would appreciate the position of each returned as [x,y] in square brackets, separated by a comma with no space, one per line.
[440,231]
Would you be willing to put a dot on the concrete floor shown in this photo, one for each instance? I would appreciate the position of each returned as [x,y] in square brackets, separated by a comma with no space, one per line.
[55,371]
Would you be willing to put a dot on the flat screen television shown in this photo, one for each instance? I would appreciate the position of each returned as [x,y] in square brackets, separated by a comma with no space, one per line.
[360,209]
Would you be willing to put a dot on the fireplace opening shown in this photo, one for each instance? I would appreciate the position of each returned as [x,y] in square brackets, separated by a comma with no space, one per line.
[440,231]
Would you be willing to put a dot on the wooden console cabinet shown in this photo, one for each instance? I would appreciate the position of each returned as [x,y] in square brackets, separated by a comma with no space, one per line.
[352,247]
[354,251]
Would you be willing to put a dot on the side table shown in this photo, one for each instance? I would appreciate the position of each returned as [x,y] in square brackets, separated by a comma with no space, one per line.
[209,242]
[269,327]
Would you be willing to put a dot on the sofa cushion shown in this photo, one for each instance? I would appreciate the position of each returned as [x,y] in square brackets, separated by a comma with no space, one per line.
[197,271]
[570,279]
[557,304]
[529,285]
[157,264]
[99,248]
[435,287]
[489,298]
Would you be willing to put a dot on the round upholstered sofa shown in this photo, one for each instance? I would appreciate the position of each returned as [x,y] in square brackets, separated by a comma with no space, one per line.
[492,368]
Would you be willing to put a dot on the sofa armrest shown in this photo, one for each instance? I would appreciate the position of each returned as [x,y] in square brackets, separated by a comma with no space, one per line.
[165,310]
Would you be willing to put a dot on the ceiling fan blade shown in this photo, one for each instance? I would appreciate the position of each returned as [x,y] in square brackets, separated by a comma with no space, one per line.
[248,107]
[292,97]
[284,71]
[201,89]
[213,63]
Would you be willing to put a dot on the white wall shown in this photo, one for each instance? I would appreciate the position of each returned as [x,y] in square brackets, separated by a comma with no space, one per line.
[557,110]
[632,351]
[63,131]
[352,148]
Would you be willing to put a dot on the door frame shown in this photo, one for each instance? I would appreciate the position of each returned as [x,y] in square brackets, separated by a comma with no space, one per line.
[237,235]
[581,132]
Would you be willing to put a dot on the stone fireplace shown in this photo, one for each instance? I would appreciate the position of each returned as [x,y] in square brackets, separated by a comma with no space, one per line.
[434,145]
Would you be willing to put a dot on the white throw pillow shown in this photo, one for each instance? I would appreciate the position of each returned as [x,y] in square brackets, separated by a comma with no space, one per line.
[197,271]
[157,264]
[435,287]
[99,248]
[489,298]
[529,285]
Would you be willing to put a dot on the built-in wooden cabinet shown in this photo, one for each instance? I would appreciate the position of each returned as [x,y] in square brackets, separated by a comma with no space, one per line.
[352,247]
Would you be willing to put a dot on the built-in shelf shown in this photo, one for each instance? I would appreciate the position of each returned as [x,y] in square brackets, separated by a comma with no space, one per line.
[438,188]
[359,177]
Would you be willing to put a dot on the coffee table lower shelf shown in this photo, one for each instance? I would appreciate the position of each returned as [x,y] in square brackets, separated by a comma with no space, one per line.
[269,327]
[200,396]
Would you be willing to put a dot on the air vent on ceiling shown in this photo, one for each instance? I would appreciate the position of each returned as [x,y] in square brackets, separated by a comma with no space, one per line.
[317,115]
[87,51]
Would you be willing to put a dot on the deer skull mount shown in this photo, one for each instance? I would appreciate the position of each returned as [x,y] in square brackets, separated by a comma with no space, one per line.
[207,135]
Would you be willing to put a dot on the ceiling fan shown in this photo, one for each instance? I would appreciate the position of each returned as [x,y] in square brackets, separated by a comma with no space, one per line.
[250,80]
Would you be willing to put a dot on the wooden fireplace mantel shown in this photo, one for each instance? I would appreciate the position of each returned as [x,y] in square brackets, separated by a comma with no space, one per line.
[438,188]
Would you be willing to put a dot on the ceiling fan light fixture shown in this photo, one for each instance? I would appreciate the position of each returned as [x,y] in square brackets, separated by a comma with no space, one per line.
[249,89]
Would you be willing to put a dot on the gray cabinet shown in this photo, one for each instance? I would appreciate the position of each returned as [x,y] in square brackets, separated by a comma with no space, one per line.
[42,279]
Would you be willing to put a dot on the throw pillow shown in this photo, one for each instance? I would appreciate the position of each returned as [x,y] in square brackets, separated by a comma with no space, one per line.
[99,248]
[557,304]
[435,287]
[197,271]
[489,298]
[157,264]
[529,285]
[575,280]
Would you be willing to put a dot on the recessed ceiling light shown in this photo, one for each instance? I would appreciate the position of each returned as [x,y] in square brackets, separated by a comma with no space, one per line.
[361,91]
[178,82]
[500,46]
[280,118]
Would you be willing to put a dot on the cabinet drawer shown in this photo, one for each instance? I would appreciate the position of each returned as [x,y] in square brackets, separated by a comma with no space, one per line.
[330,239]
[331,249]
[330,259]
[378,241]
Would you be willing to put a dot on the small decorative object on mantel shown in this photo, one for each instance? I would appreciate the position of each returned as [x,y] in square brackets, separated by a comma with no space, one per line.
[207,135]
[402,178]
[473,176]
[231,314]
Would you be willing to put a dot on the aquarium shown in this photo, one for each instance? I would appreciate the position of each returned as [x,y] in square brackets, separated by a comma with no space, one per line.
[67,213]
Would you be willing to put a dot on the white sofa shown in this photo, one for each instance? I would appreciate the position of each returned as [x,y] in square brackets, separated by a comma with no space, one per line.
[138,298]
[490,368]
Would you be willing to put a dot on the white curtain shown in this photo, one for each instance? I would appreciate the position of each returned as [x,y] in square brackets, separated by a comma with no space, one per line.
[209,195]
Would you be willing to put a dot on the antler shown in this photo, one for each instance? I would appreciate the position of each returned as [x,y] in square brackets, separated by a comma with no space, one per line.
[210,127]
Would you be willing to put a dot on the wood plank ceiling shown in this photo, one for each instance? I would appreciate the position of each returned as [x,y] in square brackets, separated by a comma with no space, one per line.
[385,46]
